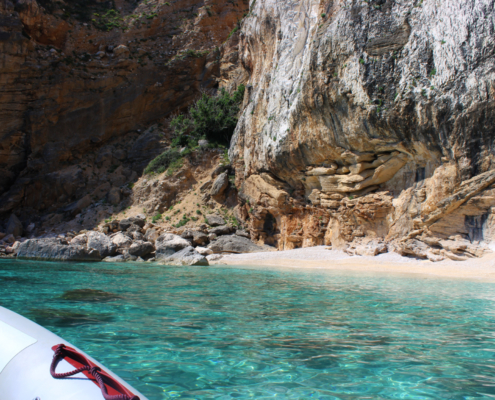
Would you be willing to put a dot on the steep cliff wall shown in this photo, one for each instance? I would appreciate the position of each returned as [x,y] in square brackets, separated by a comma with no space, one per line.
[367,119]
[80,80]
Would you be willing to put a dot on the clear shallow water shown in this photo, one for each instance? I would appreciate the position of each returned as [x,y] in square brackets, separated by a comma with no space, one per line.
[224,333]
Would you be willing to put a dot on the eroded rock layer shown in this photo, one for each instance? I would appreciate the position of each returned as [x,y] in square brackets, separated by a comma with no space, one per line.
[367,120]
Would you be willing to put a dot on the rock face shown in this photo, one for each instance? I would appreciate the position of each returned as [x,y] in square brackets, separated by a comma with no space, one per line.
[95,82]
[54,250]
[370,119]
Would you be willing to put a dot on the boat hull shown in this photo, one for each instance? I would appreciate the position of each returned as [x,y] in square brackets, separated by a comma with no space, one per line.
[25,358]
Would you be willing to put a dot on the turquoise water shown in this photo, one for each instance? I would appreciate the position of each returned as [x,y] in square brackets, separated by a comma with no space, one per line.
[225,333]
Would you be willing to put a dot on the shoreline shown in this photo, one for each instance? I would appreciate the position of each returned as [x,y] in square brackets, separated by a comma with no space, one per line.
[319,258]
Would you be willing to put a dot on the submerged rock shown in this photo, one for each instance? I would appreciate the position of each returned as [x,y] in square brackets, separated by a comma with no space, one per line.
[89,295]
[53,250]
[54,317]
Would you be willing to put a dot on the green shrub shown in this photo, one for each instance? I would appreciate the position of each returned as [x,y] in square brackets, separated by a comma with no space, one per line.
[156,218]
[211,117]
[185,219]
[163,161]
[108,20]
[175,166]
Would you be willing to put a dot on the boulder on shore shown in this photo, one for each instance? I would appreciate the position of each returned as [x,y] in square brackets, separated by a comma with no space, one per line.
[79,240]
[122,241]
[55,250]
[221,230]
[141,249]
[234,244]
[197,238]
[186,256]
[168,244]
[151,235]
[101,242]
[204,251]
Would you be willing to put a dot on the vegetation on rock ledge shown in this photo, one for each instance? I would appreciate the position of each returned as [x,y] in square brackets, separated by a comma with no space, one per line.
[162,162]
[212,117]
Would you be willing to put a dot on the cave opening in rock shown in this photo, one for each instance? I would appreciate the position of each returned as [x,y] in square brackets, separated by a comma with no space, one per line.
[269,226]
[270,229]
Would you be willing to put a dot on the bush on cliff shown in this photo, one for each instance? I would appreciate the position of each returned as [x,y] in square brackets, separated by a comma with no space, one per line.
[212,117]
[163,161]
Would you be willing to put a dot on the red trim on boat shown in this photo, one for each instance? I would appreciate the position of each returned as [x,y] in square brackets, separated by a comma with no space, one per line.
[111,389]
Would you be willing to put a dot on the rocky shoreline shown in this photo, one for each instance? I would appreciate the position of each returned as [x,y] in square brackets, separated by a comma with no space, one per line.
[135,239]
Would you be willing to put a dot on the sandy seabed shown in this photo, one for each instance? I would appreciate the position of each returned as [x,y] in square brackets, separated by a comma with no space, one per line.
[320,257]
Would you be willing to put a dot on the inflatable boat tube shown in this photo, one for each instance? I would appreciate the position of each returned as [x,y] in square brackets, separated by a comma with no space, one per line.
[36,364]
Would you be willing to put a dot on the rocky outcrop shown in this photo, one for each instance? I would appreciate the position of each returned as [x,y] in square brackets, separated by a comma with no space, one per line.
[55,250]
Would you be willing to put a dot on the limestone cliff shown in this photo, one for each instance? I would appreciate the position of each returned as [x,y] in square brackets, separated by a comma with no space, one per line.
[367,119]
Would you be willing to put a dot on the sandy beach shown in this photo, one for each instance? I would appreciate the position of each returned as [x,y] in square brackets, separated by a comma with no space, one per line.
[479,269]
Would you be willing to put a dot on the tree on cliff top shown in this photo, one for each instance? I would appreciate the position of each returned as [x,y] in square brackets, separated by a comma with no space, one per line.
[212,117]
